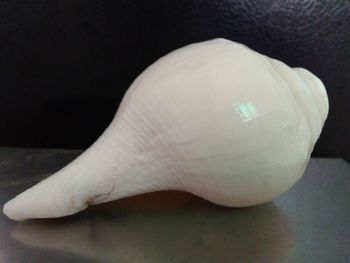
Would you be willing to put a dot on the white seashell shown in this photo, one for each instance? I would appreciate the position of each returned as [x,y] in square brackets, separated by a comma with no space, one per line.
[216,119]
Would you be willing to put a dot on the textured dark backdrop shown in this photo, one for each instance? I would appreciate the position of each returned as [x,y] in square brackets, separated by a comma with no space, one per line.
[65,65]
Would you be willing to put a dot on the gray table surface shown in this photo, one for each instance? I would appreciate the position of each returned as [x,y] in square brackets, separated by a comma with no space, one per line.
[309,223]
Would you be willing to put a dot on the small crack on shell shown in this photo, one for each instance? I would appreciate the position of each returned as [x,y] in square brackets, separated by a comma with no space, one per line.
[99,198]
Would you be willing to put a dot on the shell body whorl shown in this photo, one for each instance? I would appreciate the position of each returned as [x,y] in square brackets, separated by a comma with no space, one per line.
[233,126]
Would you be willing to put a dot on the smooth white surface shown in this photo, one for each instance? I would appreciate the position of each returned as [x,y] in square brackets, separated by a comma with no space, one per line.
[214,118]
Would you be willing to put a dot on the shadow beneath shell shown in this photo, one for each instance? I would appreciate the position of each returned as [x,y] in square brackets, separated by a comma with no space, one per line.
[165,227]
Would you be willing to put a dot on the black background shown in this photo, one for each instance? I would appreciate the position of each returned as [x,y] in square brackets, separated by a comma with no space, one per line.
[65,65]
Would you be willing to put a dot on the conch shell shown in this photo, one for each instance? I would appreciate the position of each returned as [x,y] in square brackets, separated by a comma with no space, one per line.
[215,118]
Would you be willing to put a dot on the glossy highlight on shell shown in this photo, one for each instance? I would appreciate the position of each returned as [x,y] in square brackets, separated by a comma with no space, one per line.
[214,118]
